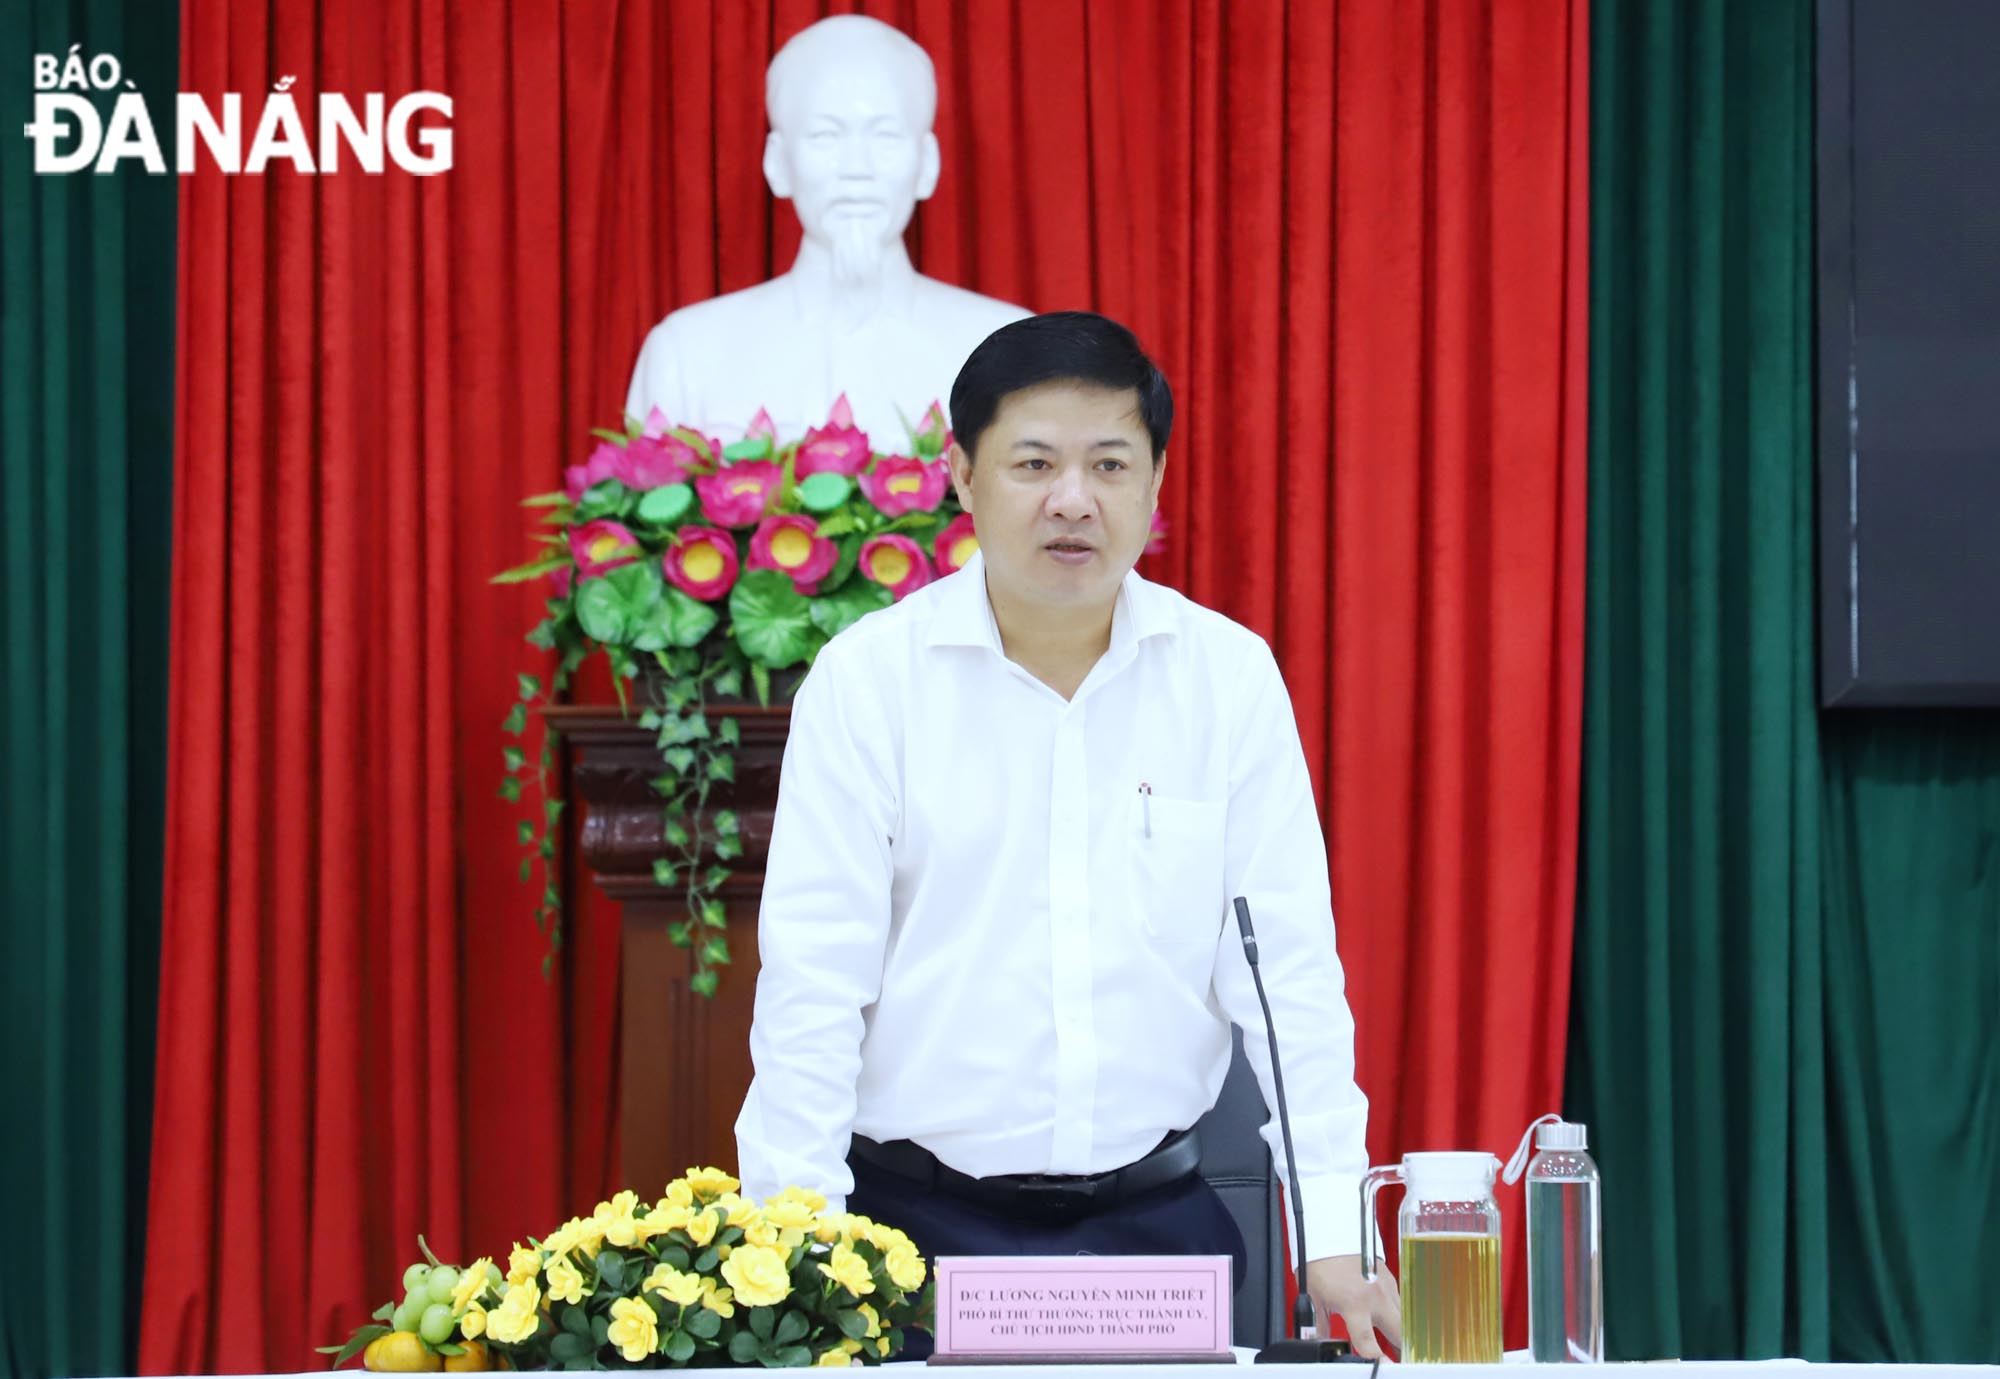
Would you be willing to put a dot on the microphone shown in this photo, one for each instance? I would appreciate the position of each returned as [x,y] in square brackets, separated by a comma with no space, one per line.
[1304,1347]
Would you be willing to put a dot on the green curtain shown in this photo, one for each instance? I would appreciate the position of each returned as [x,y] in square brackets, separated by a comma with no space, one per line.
[1786,926]
[86,453]
[1912,897]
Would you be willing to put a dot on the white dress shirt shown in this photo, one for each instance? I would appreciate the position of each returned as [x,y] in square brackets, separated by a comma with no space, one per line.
[980,933]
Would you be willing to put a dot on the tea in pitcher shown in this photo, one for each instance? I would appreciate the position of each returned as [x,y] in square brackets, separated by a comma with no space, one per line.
[1451,1298]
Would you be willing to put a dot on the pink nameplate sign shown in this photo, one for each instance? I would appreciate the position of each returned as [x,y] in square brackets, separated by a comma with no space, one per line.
[1051,1309]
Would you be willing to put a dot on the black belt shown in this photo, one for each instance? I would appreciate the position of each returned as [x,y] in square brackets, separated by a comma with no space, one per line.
[1038,1196]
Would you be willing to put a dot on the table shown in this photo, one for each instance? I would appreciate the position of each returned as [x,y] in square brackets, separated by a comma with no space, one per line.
[1682,1369]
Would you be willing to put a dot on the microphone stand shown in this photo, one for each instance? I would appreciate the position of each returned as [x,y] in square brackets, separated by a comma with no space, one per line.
[1304,1346]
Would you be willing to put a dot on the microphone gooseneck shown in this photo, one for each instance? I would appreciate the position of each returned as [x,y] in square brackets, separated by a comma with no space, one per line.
[1304,1346]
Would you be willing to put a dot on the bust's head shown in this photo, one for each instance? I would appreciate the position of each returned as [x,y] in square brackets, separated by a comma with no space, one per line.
[850,101]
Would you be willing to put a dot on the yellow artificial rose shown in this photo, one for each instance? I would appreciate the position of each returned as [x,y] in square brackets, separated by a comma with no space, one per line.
[634,1329]
[812,1201]
[741,1210]
[905,1266]
[850,1345]
[789,1214]
[565,1280]
[882,1346]
[722,1251]
[665,1216]
[471,1284]
[514,1319]
[874,1320]
[472,1325]
[586,1234]
[523,1264]
[621,1226]
[836,1358]
[716,1298]
[855,1228]
[793,1220]
[675,1286]
[828,1228]
[621,1204]
[701,1230]
[710,1182]
[849,1270]
[679,1193]
[760,1231]
[757,1275]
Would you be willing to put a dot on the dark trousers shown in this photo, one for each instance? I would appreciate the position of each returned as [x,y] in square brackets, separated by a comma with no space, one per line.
[1184,1218]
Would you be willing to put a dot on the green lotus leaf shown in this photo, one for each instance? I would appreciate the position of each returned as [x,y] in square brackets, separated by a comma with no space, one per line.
[824,492]
[772,621]
[666,505]
[834,613]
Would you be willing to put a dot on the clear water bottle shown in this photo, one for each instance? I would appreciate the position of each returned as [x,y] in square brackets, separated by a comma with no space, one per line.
[1565,1268]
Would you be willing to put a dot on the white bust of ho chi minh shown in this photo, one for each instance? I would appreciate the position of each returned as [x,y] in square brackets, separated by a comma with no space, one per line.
[850,101]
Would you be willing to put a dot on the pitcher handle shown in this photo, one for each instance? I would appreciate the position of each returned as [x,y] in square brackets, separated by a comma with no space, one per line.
[1371,1244]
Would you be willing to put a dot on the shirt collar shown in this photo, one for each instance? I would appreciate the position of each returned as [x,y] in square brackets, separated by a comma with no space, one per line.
[964,614]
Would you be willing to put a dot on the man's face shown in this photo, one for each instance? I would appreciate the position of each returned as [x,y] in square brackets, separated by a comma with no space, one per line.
[849,154]
[1063,493]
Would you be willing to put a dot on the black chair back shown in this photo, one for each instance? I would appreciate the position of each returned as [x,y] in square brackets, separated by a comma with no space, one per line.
[1237,1164]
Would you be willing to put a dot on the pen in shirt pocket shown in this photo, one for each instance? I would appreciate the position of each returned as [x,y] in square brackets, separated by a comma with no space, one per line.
[1146,807]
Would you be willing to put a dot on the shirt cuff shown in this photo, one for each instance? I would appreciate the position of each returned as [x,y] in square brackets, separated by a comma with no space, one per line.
[1333,1216]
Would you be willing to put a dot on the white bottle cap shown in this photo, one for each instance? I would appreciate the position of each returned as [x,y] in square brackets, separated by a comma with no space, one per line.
[1546,1132]
[1560,1134]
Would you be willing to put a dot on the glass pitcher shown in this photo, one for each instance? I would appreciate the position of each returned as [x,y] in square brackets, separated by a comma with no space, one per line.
[1450,1231]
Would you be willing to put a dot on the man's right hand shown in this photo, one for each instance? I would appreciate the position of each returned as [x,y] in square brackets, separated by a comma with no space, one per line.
[1337,1287]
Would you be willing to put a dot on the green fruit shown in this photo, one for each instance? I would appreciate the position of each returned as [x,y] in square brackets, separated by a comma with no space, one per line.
[443,1280]
[435,1325]
[408,1315]
[414,1276]
[494,1275]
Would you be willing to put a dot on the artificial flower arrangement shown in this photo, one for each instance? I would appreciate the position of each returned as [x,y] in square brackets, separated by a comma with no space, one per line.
[701,1276]
[709,567]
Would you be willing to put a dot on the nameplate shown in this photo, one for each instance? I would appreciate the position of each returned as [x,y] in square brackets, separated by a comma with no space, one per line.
[1060,1309]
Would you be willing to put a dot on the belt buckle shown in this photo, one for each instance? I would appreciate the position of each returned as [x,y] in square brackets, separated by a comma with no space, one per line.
[1056,1198]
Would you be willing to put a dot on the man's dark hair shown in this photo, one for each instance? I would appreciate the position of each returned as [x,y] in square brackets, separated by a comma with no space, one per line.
[1059,347]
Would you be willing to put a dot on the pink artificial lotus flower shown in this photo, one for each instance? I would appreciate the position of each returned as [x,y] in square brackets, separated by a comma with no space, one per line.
[701,563]
[604,463]
[602,546]
[762,427]
[897,562]
[737,494]
[933,436]
[649,462]
[561,577]
[900,484]
[1157,541]
[838,447]
[955,544]
[793,545]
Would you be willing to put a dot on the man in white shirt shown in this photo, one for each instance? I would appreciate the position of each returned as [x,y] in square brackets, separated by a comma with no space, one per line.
[998,966]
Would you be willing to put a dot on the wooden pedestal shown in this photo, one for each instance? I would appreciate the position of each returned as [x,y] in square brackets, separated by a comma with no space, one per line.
[684,1060]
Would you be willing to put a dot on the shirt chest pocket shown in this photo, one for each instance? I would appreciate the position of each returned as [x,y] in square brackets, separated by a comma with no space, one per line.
[1177,852]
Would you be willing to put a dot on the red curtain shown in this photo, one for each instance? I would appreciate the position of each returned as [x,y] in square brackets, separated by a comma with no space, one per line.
[1354,235]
